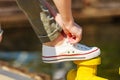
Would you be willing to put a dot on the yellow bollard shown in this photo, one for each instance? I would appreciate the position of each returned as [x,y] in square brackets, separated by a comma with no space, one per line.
[86,70]
[71,74]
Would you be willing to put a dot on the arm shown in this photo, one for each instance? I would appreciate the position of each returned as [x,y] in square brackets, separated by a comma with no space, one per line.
[71,29]
[64,8]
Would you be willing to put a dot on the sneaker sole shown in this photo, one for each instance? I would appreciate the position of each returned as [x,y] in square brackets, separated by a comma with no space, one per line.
[72,57]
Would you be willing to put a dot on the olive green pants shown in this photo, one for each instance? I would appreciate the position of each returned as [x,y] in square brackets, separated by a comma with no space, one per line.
[41,20]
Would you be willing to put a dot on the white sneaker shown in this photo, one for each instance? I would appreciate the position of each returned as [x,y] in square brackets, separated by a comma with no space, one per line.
[68,52]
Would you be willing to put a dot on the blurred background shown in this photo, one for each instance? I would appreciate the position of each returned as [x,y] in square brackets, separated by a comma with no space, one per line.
[100,20]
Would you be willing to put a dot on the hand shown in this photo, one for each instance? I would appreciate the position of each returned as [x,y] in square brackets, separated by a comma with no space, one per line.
[73,31]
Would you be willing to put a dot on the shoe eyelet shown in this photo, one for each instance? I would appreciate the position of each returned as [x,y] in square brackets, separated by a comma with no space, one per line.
[68,52]
[73,51]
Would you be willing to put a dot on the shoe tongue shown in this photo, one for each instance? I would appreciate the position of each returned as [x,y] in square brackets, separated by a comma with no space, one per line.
[65,42]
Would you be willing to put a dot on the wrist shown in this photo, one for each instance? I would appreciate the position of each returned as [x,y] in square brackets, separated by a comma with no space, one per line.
[68,20]
[68,23]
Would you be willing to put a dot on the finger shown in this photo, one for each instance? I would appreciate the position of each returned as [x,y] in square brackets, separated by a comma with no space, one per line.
[71,39]
[75,39]
[78,37]
[68,34]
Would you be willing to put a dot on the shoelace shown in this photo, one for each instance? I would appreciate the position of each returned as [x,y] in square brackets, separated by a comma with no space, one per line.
[78,46]
[69,50]
[69,44]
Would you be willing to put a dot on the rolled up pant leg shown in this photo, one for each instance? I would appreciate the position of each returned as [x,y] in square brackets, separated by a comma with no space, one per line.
[45,27]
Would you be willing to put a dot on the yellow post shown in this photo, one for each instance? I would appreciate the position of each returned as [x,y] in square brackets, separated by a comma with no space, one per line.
[86,70]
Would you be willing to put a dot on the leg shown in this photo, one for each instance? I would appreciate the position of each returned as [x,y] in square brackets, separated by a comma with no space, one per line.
[32,9]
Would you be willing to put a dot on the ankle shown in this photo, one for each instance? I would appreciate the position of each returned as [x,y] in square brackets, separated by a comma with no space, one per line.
[58,41]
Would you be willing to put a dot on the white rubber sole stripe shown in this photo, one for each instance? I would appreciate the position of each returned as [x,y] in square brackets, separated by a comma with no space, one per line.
[61,58]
